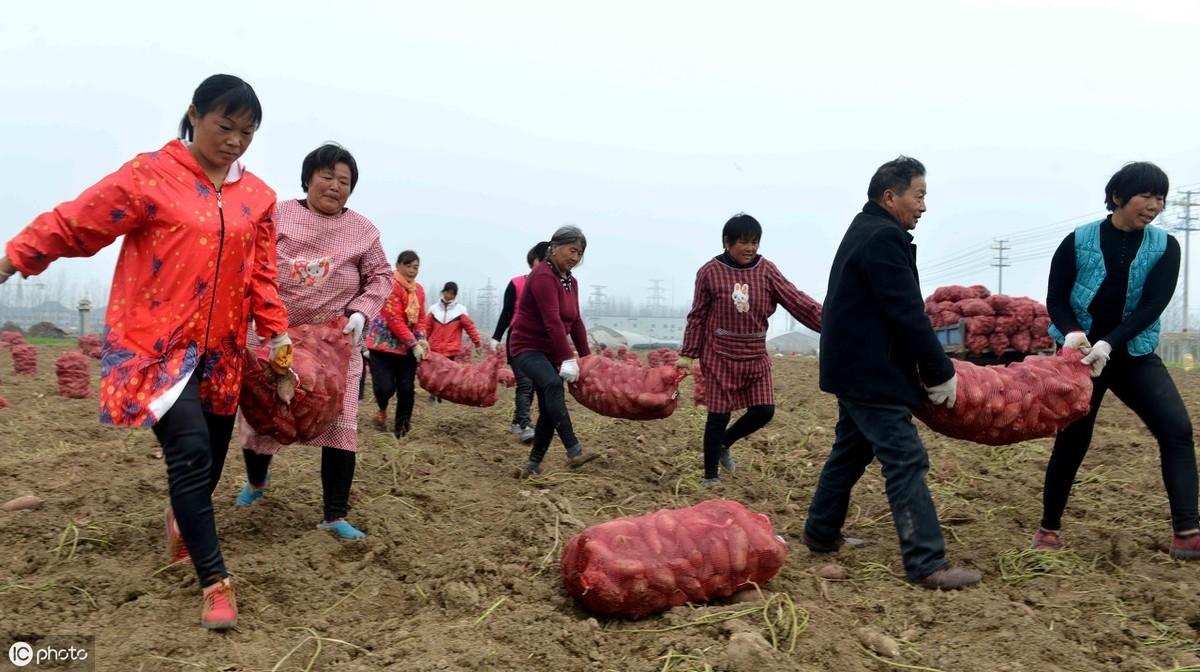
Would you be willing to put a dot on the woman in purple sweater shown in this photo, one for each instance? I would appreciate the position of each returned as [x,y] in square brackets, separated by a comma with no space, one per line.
[540,348]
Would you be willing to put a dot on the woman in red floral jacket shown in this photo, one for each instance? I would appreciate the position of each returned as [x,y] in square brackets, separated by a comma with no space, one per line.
[197,262]
[397,343]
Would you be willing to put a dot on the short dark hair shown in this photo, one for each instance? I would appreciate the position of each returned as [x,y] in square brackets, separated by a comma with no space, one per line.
[1136,177]
[537,252]
[451,287]
[407,257]
[327,156]
[896,175]
[225,93]
[741,227]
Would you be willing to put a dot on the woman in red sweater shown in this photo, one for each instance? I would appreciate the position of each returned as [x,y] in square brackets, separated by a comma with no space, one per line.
[540,348]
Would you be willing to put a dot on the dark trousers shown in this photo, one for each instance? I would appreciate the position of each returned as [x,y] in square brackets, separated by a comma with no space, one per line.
[524,397]
[865,432]
[394,374]
[1145,386]
[717,437]
[194,445]
[523,400]
[337,474]
[552,404]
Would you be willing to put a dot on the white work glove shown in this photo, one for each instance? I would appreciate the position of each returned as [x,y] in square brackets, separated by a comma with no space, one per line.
[569,370]
[495,345]
[355,326]
[945,393]
[420,350]
[1097,359]
[1077,340]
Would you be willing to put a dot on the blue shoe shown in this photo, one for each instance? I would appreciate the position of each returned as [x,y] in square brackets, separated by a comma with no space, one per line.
[251,494]
[727,462]
[342,530]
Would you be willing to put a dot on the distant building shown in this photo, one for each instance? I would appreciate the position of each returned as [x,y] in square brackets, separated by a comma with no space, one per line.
[659,330]
[53,312]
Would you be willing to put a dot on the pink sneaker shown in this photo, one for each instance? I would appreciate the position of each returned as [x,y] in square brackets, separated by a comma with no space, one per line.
[177,551]
[1047,540]
[220,606]
[1185,548]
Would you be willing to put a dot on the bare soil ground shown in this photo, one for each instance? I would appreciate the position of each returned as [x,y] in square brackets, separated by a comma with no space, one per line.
[459,570]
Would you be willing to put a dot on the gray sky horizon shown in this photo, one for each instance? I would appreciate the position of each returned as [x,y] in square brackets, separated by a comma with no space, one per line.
[480,128]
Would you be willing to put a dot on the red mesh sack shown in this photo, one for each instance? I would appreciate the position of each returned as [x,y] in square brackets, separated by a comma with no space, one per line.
[10,338]
[1041,327]
[697,384]
[975,307]
[999,303]
[1024,309]
[74,375]
[998,343]
[640,565]
[1007,325]
[506,377]
[980,326]
[466,384]
[4,403]
[24,359]
[956,293]
[90,345]
[662,357]
[1042,343]
[999,405]
[1021,341]
[949,317]
[630,392]
[625,355]
[320,360]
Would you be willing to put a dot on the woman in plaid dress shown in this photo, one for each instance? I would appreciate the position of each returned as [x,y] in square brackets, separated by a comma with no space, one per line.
[331,264]
[736,293]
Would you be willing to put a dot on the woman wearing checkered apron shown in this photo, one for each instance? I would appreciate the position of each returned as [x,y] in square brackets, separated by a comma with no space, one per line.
[331,264]
[736,293]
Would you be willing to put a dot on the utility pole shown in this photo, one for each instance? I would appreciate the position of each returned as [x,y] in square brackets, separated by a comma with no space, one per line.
[1000,246]
[1187,239]
[655,302]
[598,302]
[487,297]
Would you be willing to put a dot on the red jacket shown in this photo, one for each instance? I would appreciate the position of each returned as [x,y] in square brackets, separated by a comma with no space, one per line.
[446,325]
[196,264]
[392,331]
[548,315]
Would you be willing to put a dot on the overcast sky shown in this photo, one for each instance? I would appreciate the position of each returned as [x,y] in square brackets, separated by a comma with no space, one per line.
[481,127]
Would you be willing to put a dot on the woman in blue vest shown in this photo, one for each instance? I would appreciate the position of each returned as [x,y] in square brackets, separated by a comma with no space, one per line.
[1109,283]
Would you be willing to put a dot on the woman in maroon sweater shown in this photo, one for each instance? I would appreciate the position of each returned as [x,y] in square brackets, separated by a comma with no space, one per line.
[540,348]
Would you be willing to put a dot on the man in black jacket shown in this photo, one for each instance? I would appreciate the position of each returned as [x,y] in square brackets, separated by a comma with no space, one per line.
[879,355]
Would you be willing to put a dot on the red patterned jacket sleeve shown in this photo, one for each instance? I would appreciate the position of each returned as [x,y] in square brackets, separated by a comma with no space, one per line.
[79,228]
[802,306]
[697,319]
[270,315]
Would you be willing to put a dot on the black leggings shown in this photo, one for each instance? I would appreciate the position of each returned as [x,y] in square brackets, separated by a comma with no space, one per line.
[194,445]
[552,404]
[1147,389]
[394,374]
[337,473]
[717,437]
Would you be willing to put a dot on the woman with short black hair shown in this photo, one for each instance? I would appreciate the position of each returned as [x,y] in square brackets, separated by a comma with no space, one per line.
[1110,281]
[332,265]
